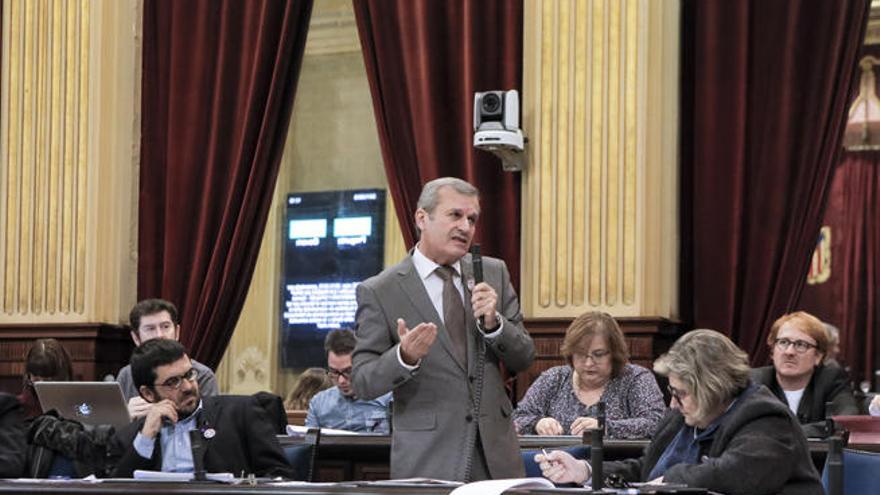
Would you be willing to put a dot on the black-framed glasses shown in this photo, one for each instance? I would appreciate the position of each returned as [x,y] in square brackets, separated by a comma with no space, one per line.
[596,356]
[176,381]
[334,373]
[800,346]
[676,393]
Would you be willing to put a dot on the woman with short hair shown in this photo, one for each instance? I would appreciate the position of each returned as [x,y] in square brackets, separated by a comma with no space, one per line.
[798,376]
[724,433]
[563,399]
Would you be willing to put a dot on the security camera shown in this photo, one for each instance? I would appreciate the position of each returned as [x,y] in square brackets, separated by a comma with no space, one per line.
[496,127]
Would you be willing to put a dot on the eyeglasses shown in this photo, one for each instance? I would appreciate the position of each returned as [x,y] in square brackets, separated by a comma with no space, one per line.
[800,346]
[334,373]
[676,393]
[176,381]
[154,330]
[596,356]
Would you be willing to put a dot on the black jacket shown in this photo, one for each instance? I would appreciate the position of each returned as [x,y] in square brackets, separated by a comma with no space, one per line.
[49,435]
[757,449]
[828,384]
[244,440]
[12,438]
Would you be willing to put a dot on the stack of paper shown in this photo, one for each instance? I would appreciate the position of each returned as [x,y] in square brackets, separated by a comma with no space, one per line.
[142,474]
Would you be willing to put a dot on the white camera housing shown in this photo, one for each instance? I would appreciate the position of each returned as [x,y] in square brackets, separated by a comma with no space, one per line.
[496,127]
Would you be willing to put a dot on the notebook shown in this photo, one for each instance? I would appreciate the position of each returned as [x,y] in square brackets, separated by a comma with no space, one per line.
[91,403]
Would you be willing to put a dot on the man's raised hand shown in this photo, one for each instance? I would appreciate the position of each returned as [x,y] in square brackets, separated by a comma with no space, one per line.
[415,342]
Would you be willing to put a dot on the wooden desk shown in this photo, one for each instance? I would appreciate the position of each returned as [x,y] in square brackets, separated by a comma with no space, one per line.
[864,431]
[192,488]
[366,457]
[296,417]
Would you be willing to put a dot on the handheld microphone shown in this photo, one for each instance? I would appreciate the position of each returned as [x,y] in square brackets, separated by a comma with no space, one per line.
[197,444]
[477,266]
[477,263]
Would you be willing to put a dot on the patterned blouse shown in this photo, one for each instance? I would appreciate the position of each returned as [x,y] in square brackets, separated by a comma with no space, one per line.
[633,403]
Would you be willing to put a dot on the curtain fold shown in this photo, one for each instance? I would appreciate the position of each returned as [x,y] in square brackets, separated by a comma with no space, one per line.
[219,78]
[424,60]
[859,178]
[848,298]
[765,93]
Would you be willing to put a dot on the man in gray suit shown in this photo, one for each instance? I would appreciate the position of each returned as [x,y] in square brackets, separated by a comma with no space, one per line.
[451,417]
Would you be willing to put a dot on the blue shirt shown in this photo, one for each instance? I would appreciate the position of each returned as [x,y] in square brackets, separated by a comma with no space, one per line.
[330,409]
[176,449]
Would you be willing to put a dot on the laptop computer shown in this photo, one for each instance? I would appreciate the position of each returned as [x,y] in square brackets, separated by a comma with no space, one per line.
[90,403]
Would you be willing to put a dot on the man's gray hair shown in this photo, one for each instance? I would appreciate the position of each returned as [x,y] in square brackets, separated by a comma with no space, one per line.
[429,198]
[710,365]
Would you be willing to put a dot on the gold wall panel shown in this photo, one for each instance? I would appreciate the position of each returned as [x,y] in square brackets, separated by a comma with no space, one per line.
[45,156]
[590,212]
[68,159]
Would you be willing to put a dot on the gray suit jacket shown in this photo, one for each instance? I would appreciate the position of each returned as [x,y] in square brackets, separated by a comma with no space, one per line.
[434,423]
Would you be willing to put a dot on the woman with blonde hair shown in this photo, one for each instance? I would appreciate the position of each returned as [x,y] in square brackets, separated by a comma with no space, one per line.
[563,399]
[724,433]
[311,381]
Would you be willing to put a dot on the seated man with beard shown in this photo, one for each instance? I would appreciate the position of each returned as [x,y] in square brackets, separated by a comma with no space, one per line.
[237,432]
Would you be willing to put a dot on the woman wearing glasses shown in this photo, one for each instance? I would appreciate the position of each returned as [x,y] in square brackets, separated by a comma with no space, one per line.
[724,433]
[798,343]
[562,401]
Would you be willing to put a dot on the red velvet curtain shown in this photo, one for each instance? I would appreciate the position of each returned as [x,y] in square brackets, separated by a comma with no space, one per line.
[764,100]
[849,297]
[218,88]
[425,59]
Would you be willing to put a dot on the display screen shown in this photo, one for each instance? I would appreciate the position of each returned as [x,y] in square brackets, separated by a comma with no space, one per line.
[333,240]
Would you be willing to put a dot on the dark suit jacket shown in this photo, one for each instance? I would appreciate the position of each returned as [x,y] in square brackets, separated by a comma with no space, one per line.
[244,440]
[757,449]
[828,384]
[434,427]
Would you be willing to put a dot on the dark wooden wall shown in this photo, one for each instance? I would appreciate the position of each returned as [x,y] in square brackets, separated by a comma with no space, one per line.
[96,349]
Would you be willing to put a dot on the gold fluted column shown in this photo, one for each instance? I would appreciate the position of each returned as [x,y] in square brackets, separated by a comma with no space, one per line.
[600,103]
[69,133]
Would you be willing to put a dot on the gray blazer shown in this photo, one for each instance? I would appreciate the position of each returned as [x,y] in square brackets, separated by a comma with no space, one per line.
[434,427]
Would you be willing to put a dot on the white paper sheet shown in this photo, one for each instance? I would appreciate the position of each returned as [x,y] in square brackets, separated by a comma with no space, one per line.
[492,487]
[141,474]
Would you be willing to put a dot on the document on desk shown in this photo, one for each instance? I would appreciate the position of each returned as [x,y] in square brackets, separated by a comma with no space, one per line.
[296,484]
[88,479]
[300,431]
[145,475]
[410,482]
[492,487]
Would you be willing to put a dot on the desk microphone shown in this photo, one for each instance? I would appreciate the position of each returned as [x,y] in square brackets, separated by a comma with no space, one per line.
[834,465]
[597,449]
[197,443]
[477,267]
